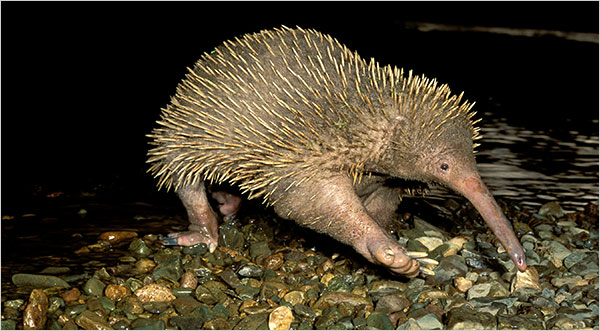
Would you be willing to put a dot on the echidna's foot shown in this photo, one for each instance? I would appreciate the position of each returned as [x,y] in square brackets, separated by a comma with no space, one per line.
[203,220]
[393,256]
[229,204]
[190,238]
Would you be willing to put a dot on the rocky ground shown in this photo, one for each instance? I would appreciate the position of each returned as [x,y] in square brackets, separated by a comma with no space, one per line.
[271,274]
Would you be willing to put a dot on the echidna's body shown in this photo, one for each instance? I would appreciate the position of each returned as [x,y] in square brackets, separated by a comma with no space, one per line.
[294,117]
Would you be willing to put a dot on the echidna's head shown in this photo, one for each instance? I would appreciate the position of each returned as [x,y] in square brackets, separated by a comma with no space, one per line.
[433,142]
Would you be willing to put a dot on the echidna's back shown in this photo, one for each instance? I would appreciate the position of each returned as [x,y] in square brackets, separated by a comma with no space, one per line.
[256,105]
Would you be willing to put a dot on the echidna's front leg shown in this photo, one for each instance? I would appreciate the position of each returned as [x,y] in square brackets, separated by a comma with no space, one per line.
[330,205]
[203,221]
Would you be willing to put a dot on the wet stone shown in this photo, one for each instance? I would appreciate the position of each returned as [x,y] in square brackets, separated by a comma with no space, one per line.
[577,314]
[231,237]
[117,236]
[55,270]
[294,297]
[38,281]
[526,279]
[392,303]
[410,324]
[449,268]
[251,270]
[71,295]
[329,317]
[147,324]
[187,323]
[464,318]
[154,293]
[479,290]
[304,312]
[335,298]
[139,248]
[430,242]
[217,324]
[196,250]
[130,305]
[253,322]
[430,322]
[462,284]
[281,318]
[379,320]
[8,325]
[520,322]
[551,209]
[75,310]
[205,296]
[92,321]
[115,292]
[230,278]
[189,280]
[273,261]
[34,315]
[94,287]
[260,248]
[144,266]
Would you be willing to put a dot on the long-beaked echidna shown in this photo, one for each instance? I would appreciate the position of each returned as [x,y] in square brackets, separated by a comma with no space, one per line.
[296,118]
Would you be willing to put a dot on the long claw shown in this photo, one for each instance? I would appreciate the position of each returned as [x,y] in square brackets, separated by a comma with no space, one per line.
[168,241]
[427,272]
[416,255]
[428,261]
[212,247]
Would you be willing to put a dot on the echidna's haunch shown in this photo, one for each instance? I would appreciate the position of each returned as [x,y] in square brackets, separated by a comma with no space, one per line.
[294,117]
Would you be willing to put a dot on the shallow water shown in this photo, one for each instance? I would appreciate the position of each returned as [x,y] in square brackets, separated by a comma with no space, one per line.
[535,167]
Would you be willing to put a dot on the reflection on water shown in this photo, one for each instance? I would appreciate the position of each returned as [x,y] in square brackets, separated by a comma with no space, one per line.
[534,167]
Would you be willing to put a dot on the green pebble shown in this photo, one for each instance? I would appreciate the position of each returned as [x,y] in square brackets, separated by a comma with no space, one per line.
[38,281]
[138,248]
[75,310]
[107,303]
[380,321]
[147,324]
[259,249]
[8,325]
[94,286]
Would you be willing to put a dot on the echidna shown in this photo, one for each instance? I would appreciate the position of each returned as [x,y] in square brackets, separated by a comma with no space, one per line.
[294,117]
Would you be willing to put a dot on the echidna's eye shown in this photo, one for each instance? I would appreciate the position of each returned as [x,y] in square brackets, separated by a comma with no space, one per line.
[444,166]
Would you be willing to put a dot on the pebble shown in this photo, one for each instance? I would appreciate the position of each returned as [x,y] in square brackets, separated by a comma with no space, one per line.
[281,318]
[462,284]
[94,287]
[89,320]
[259,280]
[117,236]
[38,281]
[115,292]
[189,280]
[34,315]
[526,279]
[154,293]
[430,322]
[464,318]
[295,297]
[253,322]
[335,298]
[379,321]
[392,303]
[71,295]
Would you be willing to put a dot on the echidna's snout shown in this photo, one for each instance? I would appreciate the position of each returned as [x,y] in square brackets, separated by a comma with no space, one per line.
[473,188]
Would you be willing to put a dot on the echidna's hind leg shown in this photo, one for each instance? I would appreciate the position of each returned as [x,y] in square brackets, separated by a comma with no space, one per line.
[330,205]
[229,203]
[382,203]
[203,226]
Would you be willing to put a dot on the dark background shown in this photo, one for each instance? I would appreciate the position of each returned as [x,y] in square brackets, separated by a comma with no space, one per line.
[82,83]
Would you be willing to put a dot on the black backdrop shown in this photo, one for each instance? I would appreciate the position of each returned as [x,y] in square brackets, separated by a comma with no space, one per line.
[82,83]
